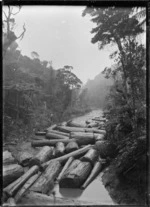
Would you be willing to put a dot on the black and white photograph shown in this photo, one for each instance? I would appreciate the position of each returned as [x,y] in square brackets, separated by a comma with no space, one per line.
[74,105]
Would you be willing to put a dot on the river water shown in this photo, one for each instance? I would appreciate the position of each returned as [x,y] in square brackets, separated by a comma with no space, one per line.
[96,191]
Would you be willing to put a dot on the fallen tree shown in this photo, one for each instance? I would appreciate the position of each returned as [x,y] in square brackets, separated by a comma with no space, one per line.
[91,156]
[71,146]
[52,135]
[24,158]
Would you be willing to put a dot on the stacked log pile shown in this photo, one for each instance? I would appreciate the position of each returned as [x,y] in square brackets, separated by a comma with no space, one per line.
[69,154]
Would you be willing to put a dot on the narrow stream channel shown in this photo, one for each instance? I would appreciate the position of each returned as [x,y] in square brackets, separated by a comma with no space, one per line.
[96,191]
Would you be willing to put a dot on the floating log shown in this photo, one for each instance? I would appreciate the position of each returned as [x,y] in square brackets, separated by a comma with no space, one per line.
[76,174]
[58,132]
[95,171]
[45,154]
[13,188]
[77,129]
[46,181]
[91,156]
[51,135]
[74,124]
[11,173]
[69,161]
[24,158]
[38,133]
[40,143]
[99,137]
[8,158]
[26,186]
[74,154]
[60,149]
[71,146]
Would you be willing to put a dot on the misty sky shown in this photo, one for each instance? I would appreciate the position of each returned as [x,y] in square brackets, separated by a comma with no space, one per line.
[60,34]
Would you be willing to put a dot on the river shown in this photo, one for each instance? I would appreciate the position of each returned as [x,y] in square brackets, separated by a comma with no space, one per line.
[96,191]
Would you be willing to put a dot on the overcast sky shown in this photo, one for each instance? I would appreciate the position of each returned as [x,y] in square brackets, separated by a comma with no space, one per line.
[60,34]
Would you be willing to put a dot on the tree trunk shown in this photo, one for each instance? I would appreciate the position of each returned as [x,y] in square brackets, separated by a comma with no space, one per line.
[12,188]
[40,133]
[46,181]
[41,143]
[69,161]
[45,154]
[58,132]
[26,186]
[99,119]
[51,135]
[80,135]
[75,154]
[71,146]
[51,127]
[76,174]
[95,171]
[24,158]
[11,173]
[60,149]
[91,156]
[8,158]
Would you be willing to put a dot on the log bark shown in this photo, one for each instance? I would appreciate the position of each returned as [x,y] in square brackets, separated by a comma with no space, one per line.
[8,158]
[74,154]
[74,124]
[92,125]
[40,143]
[24,158]
[80,135]
[95,171]
[11,173]
[26,186]
[69,161]
[60,149]
[71,146]
[45,154]
[38,133]
[91,156]
[76,174]
[58,132]
[51,135]
[100,119]
[52,127]
[13,188]
[46,181]
[78,129]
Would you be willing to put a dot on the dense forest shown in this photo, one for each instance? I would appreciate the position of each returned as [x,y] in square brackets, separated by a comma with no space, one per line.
[37,95]
[126,103]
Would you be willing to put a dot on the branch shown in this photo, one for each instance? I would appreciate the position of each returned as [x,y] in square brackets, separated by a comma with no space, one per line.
[17,11]
[22,34]
[5,14]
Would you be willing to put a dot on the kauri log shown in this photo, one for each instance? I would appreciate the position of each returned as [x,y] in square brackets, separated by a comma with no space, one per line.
[8,158]
[40,143]
[11,173]
[26,186]
[95,171]
[46,181]
[51,135]
[80,135]
[71,146]
[76,174]
[91,156]
[38,133]
[60,149]
[78,129]
[52,127]
[67,164]
[75,154]
[74,124]
[58,132]
[13,188]
[24,158]
[45,154]
[92,125]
